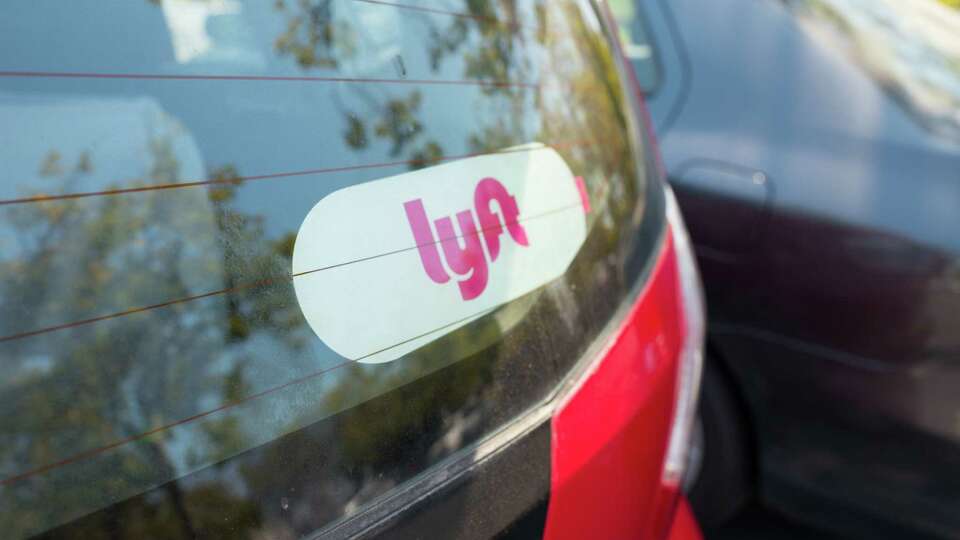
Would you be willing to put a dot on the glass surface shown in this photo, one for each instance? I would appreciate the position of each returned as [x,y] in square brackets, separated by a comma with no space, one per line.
[637,43]
[157,377]
[912,48]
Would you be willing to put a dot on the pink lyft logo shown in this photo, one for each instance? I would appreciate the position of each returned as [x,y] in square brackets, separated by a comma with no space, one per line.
[522,225]
[468,259]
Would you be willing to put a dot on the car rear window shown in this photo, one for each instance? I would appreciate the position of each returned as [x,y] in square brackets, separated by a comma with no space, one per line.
[158,374]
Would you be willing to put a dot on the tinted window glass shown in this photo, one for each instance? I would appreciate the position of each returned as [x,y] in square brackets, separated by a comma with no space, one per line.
[637,43]
[158,377]
[911,48]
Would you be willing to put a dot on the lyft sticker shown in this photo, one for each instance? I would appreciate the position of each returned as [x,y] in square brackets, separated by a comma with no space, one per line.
[385,267]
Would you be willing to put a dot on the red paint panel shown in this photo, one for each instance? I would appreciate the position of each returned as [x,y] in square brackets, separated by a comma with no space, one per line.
[610,435]
[684,525]
[584,194]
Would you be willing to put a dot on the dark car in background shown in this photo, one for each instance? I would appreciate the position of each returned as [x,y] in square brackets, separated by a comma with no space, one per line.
[814,146]
[336,268]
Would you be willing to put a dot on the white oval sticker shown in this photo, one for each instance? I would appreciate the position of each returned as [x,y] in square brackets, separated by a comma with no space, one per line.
[385,267]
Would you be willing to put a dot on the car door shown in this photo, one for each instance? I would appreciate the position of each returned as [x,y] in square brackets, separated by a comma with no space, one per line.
[815,157]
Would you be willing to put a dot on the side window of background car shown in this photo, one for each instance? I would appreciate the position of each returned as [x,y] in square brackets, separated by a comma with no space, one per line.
[910,50]
[638,43]
[654,44]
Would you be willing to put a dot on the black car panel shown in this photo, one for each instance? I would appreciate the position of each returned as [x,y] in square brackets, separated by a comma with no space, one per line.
[836,308]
